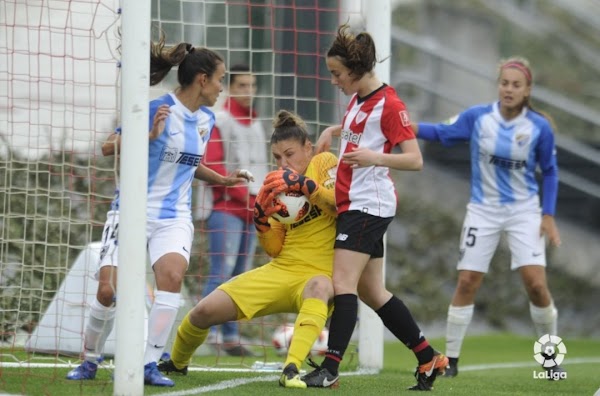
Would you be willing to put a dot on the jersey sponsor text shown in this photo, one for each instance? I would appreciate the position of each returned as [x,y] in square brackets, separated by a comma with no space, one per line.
[351,137]
[507,163]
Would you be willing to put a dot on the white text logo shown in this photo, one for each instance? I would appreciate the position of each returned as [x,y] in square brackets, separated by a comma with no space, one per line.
[549,351]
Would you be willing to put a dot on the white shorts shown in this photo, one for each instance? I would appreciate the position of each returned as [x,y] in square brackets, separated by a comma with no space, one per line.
[483,226]
[163,236]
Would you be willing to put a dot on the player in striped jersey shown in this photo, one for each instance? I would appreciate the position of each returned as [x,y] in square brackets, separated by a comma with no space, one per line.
[179,128]
[508,141]
[298,278]
[376,120]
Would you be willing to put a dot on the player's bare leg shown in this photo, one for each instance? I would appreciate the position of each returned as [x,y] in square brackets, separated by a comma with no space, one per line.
[460,314]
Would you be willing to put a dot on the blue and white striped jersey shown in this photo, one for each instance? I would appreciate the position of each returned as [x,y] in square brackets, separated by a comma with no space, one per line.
[504,154]
[174,157]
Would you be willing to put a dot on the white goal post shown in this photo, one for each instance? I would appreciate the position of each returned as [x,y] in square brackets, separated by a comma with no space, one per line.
[131,282]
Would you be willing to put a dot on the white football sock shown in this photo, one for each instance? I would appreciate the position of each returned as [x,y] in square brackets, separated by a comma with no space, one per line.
[160,322]
[459,319]
[100,324]
[544,319]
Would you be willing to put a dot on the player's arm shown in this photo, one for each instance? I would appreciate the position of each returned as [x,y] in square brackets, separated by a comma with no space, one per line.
[324,141]
[272,240]
[455,129]
[546,153]
[158,120]
[112,145]
[270,233]
[324,196]
[215,160]
[203,172]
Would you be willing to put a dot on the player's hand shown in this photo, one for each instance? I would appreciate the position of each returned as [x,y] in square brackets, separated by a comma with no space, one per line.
[324,141]
[360,157]
[160,118]
[236,177]
[246,174]
[264,208]
[288,180]
[550,229]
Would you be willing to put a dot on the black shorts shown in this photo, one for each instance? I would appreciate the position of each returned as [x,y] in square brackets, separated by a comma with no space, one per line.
[361,232]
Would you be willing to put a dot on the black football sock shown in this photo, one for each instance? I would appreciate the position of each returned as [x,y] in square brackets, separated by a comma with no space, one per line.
[343,321]
[398,319]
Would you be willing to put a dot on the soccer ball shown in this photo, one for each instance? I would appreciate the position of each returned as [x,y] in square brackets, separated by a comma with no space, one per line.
[294,206]
[282,337]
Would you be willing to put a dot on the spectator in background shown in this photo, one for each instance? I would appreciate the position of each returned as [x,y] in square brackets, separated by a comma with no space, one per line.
[508,139]
[238,141]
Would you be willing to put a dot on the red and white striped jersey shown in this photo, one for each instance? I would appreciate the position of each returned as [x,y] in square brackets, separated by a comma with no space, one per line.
[378,122]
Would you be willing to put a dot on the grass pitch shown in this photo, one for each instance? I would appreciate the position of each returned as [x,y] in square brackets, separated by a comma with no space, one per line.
[490,365]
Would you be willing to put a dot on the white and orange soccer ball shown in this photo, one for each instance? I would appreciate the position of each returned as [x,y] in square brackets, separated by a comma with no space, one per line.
[282,337]
[294,207]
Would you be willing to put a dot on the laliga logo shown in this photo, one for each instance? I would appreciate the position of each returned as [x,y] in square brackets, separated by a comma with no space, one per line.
[546,353]
[550,351]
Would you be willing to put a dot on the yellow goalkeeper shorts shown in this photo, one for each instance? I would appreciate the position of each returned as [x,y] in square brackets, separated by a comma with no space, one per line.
[269,289]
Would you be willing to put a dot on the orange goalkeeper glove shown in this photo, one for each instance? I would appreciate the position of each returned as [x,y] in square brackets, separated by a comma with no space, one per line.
[288,180]
[264,208]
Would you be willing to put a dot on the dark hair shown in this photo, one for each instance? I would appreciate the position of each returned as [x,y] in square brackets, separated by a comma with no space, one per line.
[236,70]
[191,61]
[522,64]
[356,53]
[288,126]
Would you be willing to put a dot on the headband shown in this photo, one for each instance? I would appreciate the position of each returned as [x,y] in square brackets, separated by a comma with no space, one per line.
[516,65]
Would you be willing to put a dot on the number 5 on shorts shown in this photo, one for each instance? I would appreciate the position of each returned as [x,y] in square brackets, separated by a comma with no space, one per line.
[469,235]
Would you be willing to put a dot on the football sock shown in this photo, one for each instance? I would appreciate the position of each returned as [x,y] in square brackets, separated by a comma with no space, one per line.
[343,321]
[544,318]
[309,323]
[99,326]
[188,339]
[458,320]
[160,322]
[398,319]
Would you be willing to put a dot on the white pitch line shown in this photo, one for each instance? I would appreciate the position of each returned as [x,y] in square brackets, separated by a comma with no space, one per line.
[474,367]
[566,362]
[220,386]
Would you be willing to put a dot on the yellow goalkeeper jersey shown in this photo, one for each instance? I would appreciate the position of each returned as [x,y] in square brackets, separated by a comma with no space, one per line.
[308,244]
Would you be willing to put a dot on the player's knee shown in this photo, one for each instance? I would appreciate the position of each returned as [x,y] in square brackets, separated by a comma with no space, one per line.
[467,286]
[201,314]
[375,298]
[172,282]
[106,294]
[319,287]
[537,291]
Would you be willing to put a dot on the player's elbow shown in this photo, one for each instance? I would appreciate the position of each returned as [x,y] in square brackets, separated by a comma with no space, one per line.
[108,149]
[417,163]
[272,252]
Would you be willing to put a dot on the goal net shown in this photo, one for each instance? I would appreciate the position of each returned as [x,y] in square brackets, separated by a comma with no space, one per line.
[59,100]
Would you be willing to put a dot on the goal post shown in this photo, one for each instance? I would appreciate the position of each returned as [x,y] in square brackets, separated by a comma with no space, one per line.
[133,187]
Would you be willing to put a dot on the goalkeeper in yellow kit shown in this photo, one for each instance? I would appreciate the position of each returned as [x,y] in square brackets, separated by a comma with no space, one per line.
[298,278]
